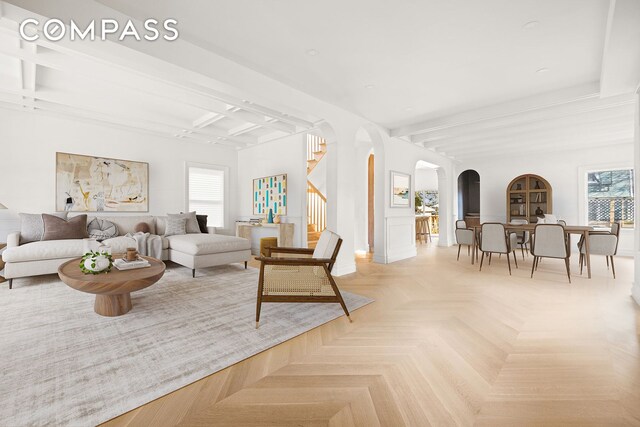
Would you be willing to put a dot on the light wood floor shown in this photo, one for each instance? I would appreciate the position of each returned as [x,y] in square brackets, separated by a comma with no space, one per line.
[443,344]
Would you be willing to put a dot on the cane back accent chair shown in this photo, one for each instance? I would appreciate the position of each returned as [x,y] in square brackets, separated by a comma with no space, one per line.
[303,278]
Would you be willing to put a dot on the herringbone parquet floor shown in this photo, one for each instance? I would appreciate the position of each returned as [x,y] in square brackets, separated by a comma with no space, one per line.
[442,345]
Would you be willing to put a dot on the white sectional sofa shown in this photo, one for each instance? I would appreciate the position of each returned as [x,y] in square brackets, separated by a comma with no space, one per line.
[190,250]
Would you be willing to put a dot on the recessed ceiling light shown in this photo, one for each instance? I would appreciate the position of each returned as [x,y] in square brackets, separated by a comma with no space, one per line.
[530,25]
[542,70]
[312,52]
[408,109]
[369,86]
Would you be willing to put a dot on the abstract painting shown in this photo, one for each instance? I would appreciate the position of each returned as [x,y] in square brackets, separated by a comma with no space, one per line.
[270,193]
[400,190]
[100,184]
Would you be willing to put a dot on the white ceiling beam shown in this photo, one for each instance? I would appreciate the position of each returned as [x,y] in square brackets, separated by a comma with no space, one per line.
[504,110]
[207,119]
[621,116]
[109,54]
[245,128]
[531,116]
[620,72]
[549,149]
[68,104]
[141,85]
[559,138]
[583,140]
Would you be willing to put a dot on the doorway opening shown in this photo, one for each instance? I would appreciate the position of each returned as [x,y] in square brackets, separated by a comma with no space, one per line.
[469,197]
[427,202]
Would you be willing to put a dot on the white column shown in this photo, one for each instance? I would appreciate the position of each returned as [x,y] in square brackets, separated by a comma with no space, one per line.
[341,176]
[445,202]
[635,288]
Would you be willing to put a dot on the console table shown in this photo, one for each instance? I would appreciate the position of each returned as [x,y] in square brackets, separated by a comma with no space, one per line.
[283,232]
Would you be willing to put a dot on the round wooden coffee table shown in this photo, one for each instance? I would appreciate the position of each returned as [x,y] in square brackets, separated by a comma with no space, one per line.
[113,289]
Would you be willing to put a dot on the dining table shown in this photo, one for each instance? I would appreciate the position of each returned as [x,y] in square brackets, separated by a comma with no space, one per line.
[582,230]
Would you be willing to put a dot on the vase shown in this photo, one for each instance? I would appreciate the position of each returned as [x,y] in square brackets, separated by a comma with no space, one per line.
[277,219]
[270,218]
[96,264]
[539,211]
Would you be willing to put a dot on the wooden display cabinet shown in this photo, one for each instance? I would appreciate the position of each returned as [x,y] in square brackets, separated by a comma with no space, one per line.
[528,197]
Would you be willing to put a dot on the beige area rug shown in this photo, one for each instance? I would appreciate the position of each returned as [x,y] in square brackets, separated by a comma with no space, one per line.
[62,364]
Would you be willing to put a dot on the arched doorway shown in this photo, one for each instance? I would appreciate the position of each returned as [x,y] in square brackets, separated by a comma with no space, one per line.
[427,201]
[369,199]
[469,197]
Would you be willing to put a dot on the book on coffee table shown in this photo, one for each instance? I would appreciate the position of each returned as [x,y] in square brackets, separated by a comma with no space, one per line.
[123,264]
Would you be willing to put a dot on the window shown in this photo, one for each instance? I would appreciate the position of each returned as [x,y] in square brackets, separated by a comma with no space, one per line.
[610,197]
[205,189]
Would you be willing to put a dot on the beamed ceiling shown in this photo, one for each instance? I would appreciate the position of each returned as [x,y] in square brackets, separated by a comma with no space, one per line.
[460,78]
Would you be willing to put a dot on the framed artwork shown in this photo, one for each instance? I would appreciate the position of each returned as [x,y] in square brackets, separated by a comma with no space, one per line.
[100,184]
[400,190]
[270,193]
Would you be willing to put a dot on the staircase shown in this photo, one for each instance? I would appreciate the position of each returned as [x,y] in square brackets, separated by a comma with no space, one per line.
[316,201]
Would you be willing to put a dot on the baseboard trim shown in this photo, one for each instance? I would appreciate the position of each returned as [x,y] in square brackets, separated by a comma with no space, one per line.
[400,255]
[341,270]
[635,292]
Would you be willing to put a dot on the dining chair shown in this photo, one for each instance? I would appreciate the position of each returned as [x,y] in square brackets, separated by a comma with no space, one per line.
[461,223]
[464,236]
[602,243]
[494,239]
[523,236]
[550,219]
[550,242]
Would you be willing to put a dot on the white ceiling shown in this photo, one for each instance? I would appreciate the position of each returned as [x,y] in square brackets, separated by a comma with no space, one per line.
[424,58]
[457,77]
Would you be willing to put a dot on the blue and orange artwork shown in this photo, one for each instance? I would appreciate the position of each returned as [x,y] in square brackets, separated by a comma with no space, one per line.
[270,193]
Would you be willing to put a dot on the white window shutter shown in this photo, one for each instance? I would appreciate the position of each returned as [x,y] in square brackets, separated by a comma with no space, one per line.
[206,194]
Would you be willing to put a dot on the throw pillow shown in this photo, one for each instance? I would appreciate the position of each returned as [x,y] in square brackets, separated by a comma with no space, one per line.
[192,222]
[142,227]
[101,229]
[202,223]
[59,229]
[175,226]
[32,227]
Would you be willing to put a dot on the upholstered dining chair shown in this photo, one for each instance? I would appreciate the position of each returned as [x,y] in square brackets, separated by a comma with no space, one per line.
[464,236]
[494,239]
[461,224]
[303,278]
[523,236]
[550,242]
[602,243]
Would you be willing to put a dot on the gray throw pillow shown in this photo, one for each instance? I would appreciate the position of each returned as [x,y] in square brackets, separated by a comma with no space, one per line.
[61,229]
[192,221]
[32,227]
[175,226]
[101,229]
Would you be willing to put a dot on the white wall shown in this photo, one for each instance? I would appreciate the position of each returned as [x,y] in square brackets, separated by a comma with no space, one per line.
[426,179]
[29,141]
[564,171]
[286,155]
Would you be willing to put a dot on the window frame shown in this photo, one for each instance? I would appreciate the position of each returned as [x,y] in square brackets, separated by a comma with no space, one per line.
[583,187]
[225,185]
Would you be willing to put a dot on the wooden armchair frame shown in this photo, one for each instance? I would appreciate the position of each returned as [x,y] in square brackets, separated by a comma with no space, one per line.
[326,263]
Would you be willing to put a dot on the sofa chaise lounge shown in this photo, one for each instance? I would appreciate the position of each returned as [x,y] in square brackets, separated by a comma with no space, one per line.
[190,250]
